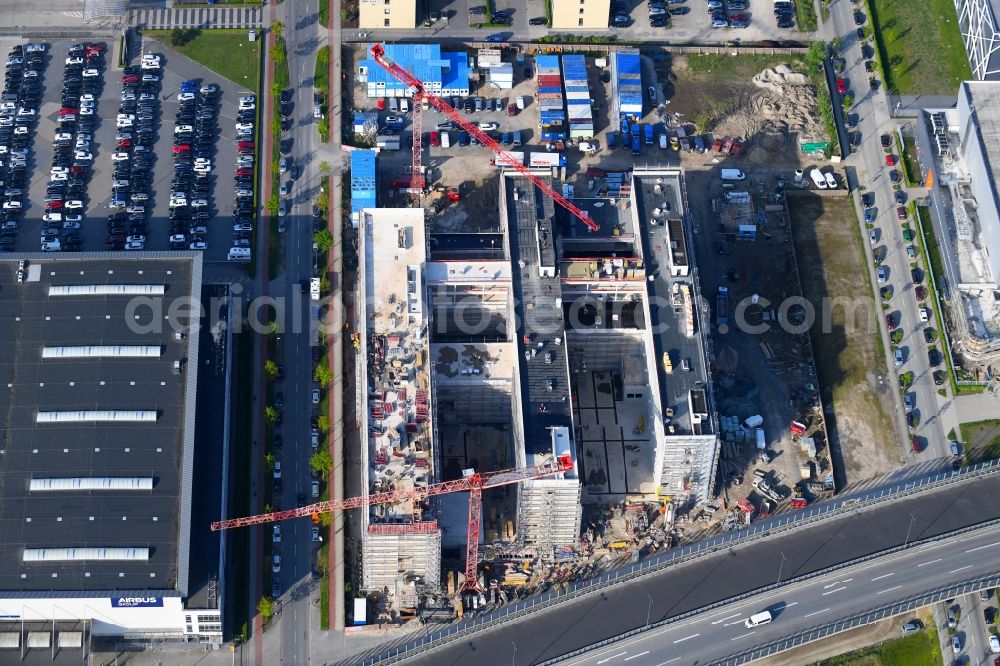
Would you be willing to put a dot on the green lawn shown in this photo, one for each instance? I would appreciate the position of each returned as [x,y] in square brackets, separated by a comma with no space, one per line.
[920,649]
[920,46]
[805,15]
[324,13]
[982,440]
[911,169]
[226,52]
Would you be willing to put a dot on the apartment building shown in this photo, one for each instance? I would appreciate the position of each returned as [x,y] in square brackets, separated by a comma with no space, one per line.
[580,14]
[373,14]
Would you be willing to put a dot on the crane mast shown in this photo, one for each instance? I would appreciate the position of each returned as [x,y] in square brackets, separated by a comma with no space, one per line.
[416,88]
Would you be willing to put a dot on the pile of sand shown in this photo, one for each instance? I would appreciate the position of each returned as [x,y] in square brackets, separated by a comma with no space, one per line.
[776,115]
[778,79]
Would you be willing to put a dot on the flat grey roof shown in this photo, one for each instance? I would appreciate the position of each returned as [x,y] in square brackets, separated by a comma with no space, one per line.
[676,386]
[984,97]
[157,519]
[540,318]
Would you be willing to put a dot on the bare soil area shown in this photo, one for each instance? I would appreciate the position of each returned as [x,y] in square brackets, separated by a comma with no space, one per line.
[856,388]
[761,98]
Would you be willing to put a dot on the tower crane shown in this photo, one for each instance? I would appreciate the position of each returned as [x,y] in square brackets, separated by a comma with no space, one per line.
[472,481]
[416,88]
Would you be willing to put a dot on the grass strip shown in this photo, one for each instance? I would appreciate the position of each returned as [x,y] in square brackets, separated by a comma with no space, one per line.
[229,53]
[920,50]
[324,13]
[911,169]
[920,649]
[805,16]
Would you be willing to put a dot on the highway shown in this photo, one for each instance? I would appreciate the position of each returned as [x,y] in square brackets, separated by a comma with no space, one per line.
[591,618]
[872,111]
[713,636]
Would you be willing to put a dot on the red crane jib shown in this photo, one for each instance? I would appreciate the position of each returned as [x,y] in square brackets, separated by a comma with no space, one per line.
[483,481]
[417,89]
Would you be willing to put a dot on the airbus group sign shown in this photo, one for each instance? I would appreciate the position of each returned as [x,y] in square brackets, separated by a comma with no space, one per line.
[136,602]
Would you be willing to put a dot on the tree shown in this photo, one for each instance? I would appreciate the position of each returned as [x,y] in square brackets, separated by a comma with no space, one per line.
[266,608]
[270,369]
[270,415]
[323,200]
[323,240]
[178,37]
[321,462]
[815,55]
[272,204]
[278,28]
[276,131]
[325,168]
[273,327]
[277,55]
[269,461]
[324,283]
[323,126]
[323,375]
[323,423]
[275,90]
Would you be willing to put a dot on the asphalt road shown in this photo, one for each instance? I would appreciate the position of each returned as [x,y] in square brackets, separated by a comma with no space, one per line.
[715,635]
[873,174]
[591,618]
[303,35]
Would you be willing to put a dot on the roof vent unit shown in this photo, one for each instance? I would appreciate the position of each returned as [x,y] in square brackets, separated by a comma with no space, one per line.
[178,336]
[177,367]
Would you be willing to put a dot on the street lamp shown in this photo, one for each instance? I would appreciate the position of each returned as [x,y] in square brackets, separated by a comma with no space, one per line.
[514,655]
[649,608]
[781,566]
[913,519]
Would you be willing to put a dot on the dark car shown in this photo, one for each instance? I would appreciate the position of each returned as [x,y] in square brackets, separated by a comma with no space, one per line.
[538,20]
[859,18]
[678,11]
[934,357]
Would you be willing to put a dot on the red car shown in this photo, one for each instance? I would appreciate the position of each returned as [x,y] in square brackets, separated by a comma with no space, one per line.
[130,78]
[94,47]
[54,205]
[78,169]
[435,139]
[67,111]
[890,322]
[890,160]
[900,212]
[244,144]
[244,172]
[125,143]
[841,86]
[182,148]
[915,443]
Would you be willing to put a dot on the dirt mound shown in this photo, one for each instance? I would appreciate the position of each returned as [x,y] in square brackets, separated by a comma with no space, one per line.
[777,79]
[778,114]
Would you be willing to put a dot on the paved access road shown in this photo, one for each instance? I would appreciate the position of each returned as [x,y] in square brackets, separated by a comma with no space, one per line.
[594,617]
[296,620]
[868,159]
[712,636]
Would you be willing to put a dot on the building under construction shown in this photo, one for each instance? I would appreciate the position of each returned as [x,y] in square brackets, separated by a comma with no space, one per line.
[509,349]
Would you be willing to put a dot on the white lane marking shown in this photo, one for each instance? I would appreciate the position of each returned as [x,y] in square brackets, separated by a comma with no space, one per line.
[730,617]
[839,589]
[890,589]
[730,624]
[636,656]
[743,636]
[816,612]
[614,656]
[681,640]
[668,661]
[968,566]
[846,580]
[989,545]
[883,576]
[924,564]
[794,603]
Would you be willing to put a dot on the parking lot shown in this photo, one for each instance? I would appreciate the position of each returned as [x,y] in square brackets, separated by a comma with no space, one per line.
[94,230]
[695,27]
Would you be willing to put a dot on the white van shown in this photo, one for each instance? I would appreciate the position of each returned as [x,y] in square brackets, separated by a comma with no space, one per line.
[445,139]
[758,619]
[754,421]
[239,254]
[404,105]
[731,174]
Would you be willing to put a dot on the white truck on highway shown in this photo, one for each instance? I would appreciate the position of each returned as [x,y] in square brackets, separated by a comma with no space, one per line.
[314,289]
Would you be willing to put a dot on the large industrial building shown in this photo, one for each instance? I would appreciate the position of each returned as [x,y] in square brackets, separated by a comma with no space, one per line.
[491,351]
[966,151]
[979,24]
[100,535]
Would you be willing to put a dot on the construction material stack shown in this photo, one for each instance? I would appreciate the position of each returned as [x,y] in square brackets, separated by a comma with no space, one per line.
[552,115]
[578,109]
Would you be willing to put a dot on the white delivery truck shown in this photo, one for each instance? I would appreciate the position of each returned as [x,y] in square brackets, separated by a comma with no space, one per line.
[314,289]
[733,174]
[761,439]
[817,178]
